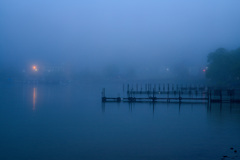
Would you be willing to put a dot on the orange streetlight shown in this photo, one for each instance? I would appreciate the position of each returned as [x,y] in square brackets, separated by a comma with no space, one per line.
[34,67]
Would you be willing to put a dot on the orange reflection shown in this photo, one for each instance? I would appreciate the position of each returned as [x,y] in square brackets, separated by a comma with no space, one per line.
[34,98]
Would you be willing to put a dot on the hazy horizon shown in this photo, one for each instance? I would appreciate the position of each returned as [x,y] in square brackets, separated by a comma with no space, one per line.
[92,35]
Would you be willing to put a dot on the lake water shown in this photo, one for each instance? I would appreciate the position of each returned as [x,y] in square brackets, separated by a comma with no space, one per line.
[70,122]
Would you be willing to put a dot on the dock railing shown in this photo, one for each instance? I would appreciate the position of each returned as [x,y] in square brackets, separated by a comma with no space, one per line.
[175,93]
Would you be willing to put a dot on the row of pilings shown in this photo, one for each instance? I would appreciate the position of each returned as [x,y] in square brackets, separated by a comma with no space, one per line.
[162,87]
[174,93]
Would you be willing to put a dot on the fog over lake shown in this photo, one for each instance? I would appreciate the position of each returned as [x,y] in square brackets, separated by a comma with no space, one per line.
[144,36]
[119,79]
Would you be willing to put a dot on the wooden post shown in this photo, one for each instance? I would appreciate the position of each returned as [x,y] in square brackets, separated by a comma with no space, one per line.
[180,98]
[210,96]
[103,95]
[153,95]
[103,92]
[168,91]
[220,95]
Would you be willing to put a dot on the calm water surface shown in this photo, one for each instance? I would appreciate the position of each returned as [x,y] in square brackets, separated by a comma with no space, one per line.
[70,122]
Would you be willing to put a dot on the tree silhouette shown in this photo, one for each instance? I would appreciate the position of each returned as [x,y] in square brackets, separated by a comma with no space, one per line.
[224,67]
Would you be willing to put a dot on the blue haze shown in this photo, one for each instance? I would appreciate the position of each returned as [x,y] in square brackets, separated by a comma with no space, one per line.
[137,34]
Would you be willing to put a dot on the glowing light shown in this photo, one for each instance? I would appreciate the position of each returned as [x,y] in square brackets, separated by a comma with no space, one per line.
[204,70]
[34,98]
[35,68]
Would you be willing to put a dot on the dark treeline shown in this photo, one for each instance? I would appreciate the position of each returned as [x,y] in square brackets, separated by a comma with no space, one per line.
[224,68]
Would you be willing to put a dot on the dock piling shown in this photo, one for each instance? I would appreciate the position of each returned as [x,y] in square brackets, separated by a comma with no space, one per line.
[188,93]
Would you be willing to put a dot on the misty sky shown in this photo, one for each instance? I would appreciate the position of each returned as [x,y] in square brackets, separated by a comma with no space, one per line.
[93,33]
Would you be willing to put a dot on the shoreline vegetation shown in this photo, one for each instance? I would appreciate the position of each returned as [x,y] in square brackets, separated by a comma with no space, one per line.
[223,68]
[222,71]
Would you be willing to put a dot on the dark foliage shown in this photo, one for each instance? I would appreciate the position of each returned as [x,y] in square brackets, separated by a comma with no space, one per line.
[224,67]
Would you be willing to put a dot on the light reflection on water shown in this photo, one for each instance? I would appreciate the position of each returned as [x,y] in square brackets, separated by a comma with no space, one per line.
[70,122]
[34,98]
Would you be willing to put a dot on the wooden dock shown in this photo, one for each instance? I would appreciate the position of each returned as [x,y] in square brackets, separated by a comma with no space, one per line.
[175,93]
